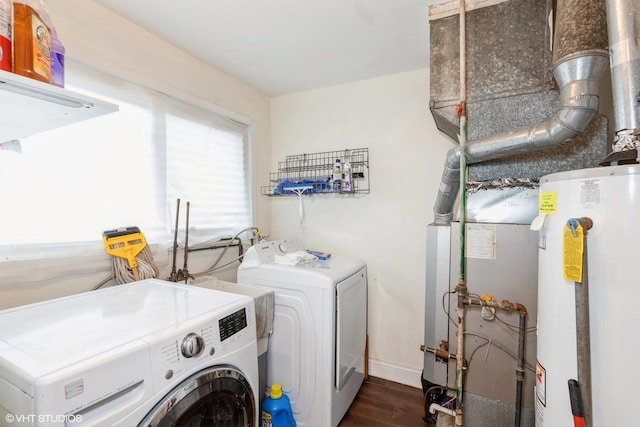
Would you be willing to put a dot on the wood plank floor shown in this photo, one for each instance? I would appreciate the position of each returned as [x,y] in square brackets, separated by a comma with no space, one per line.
[382,403]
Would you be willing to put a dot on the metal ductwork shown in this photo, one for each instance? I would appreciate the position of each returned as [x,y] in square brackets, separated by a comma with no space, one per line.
[580,62]
[623,22]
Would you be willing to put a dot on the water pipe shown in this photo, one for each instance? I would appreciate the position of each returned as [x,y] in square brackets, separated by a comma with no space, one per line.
[583,333]
[434,407]
[461,288]
[174,273]
[520,367]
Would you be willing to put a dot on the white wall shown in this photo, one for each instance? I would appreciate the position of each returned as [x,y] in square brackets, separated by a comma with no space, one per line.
[387,228]
[94,36]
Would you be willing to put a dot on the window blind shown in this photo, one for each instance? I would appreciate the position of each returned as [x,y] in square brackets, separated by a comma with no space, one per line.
[126,168]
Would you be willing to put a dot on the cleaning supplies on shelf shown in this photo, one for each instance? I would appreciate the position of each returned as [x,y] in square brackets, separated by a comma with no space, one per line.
[337,176]
[276,409]
[351,165]
[57,59]
[32,40]
[347,177]
[5,35]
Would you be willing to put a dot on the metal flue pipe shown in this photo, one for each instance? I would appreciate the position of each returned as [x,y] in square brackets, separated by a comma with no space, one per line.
[623,22]
[580,62]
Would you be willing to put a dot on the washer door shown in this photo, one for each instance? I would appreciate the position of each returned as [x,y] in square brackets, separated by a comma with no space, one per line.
[218,397]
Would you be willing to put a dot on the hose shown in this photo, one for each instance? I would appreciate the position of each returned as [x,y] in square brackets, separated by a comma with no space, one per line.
[214,266]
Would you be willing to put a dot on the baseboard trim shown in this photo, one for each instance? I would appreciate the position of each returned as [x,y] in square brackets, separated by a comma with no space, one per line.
[395,373]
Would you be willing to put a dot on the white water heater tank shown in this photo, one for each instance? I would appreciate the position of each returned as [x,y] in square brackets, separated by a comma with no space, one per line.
[610,197]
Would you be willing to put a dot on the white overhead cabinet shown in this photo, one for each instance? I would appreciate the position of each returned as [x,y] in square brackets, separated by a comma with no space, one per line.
[29,107]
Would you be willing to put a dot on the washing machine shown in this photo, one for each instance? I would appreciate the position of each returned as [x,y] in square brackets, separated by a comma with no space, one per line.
[317,349]
[150,353]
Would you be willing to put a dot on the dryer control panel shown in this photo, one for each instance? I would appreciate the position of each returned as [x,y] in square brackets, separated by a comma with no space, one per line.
[264,252]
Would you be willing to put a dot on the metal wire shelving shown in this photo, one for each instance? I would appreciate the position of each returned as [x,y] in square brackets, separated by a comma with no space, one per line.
[315,171]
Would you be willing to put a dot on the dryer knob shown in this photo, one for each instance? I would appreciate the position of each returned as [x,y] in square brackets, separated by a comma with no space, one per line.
[192,345]
[283,247]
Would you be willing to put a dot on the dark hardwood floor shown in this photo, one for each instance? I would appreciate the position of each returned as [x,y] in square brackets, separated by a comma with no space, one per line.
[383,403]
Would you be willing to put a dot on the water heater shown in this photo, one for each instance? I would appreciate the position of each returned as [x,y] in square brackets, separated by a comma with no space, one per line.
[610,197]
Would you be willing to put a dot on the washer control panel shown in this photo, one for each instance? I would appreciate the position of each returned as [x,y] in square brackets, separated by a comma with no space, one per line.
[232,324]
[175,355]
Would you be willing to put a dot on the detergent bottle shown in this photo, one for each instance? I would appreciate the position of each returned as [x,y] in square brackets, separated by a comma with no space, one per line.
[57,59]
[337,175]
[5,35]
[32,40]
[276,409]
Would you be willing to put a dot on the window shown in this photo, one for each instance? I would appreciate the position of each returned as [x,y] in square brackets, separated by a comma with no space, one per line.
[126,169]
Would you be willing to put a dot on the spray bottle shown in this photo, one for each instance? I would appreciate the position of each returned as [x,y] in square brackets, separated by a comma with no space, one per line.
[347,181]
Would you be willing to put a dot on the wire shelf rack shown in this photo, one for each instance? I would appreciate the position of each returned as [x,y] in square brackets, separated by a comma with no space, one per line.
[314,172]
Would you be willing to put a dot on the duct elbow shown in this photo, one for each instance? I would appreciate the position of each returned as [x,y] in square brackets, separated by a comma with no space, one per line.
[453,157]
[570,122]
[449,187]
[578,76]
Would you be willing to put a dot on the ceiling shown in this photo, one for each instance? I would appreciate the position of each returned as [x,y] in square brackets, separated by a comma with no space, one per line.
[286,46]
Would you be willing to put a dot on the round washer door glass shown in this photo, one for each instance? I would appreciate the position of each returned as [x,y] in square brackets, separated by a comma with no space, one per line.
[216,397]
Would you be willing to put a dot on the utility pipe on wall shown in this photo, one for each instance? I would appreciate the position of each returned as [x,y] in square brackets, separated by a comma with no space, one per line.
[434,407]
[583,331]
[461,288]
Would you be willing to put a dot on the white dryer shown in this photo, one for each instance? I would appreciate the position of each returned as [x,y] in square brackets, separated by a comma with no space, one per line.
[319,333]
[151,353]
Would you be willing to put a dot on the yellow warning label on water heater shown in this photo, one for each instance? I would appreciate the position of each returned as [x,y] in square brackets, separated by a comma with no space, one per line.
[547,202]
[573,242]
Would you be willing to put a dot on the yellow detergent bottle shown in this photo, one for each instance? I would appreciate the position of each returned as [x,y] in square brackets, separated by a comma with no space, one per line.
[31,40]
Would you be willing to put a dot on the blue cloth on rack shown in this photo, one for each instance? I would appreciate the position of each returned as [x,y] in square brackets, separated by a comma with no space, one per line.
[319,185]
